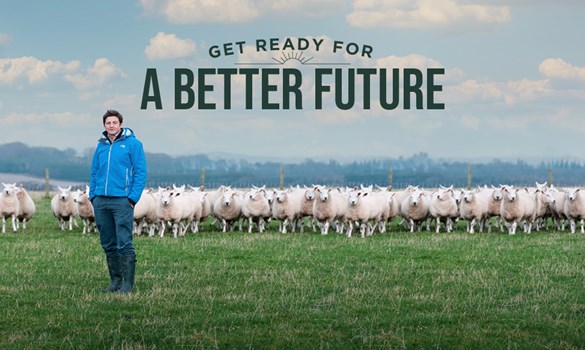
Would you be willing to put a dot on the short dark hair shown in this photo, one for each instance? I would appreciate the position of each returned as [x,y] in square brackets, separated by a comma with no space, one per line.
[113,113]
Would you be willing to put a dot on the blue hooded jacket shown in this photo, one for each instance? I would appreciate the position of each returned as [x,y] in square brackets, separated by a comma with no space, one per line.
[118,168]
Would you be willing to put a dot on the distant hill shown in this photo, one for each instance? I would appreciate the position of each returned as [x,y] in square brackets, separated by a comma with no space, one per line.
[419,169]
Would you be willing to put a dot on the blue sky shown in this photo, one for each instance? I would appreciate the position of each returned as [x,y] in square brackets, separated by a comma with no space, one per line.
[513,88]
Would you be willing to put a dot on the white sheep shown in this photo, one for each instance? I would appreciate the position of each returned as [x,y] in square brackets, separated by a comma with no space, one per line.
[365,209]
[306,211]
[494,205]
[474,208]
[64,208]
[329,206]
[84,209]
[286,208]
[145,212]
[228,208]
[443,206]
[27,206]
[255,206]
[9,206]
[399,197]
[542,211]
[575,208]
[387,206]
[556,200]
[174,208]
[414,208]
[206,207]
[517,206]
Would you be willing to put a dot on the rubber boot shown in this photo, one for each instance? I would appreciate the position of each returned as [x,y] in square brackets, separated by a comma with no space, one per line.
[115,269]
[128,263]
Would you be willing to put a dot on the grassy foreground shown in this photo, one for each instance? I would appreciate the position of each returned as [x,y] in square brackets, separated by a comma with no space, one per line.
[274,291]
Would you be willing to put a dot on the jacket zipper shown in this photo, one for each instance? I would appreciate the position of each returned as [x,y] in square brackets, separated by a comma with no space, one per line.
[108,169]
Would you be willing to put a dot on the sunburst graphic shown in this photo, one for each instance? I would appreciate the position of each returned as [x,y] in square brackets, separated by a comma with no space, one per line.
[292,56]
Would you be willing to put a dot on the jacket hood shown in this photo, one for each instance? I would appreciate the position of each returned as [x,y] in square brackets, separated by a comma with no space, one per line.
[124,133]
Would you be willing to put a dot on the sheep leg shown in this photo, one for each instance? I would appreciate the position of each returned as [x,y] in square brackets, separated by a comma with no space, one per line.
[284,224]
[3,224]
[371,228]
[438,228]
[260,224]
[513,227]
[582,229]
[14,228]
[527,227]
[325,227]
[363,230]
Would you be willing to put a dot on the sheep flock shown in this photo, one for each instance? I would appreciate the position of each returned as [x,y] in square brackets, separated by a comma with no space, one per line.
[362,210]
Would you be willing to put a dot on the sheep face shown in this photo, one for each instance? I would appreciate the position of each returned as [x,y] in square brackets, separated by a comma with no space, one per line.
[269,196]
[64,193]
[323,194]
[510,194]
[253,194]
[77,196]
[497,193]
[468,196]
[309,194]
[228,198]
[442,194]
[354,198]
[280,196]
[9,189]
[166,197]
[457,196]
[416,198]
[572,194]
[549,198]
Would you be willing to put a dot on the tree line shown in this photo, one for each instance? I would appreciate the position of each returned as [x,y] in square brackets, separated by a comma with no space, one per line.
[200,169]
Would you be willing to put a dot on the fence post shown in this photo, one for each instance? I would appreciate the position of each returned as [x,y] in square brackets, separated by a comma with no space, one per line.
[390,178]
[202,179]
[550,177]
[47,183]
[469,176]
[281,176]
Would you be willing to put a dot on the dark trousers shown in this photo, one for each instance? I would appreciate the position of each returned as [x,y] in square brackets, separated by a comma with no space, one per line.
[114,217]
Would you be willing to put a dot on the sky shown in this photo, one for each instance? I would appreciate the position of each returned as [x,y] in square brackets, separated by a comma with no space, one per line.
[513,85]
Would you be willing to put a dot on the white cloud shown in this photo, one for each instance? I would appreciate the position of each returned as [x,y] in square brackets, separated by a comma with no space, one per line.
[510,92]
[167,46]
[424,14]
[408,61]
[557,68]
[4,39]
[54,119]
[32,69]
[230,11]
[101,72]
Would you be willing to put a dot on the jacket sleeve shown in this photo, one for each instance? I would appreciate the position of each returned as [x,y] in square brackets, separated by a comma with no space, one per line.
[139,172]
[93,175]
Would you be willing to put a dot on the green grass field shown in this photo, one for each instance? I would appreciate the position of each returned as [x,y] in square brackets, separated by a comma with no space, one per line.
[295,291]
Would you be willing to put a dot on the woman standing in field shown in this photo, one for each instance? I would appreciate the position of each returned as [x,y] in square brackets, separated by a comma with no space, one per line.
[118,176]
